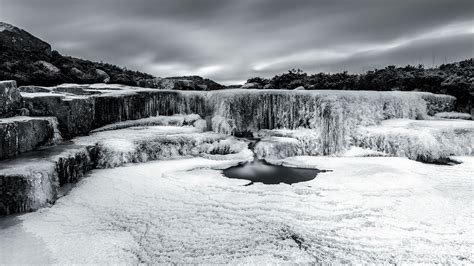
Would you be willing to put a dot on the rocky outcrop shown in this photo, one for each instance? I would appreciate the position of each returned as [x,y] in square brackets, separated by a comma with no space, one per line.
[195,83]
[30,61]
[21,134]
[10,98]
[15,39]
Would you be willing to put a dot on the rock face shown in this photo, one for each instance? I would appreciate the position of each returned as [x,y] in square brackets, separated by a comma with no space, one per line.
[22,134]
[79,115]
[10,98]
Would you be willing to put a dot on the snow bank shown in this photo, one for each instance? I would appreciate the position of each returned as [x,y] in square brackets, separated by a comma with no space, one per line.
[366,211]
[426,141]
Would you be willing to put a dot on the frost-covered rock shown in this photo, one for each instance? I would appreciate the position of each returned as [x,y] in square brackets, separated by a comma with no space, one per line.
[427,141]
[453,115]
[163,144]
[21,134]
[423,140]
[10,98]
[27,183]
[175,120]
[283,143]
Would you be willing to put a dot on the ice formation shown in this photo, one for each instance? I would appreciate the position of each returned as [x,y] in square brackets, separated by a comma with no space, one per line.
[426,140]
[335,114]
[423,140]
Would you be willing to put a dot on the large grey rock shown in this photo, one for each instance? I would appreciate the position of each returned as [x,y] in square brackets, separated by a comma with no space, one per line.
[47,69]
[21,134]
[249,86]
[102,76]
[10,98]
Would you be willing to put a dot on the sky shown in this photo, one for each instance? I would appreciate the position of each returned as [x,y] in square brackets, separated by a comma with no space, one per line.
[230,41]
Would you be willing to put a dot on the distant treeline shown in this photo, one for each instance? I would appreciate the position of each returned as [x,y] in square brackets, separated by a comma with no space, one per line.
[456,79]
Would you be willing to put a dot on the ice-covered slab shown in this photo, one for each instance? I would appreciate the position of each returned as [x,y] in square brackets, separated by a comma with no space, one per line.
[20,134]
[423,140]
[366,211]
[32,180]
[453,115]
[79,111]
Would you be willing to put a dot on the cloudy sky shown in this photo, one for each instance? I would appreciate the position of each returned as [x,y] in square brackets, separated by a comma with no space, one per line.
[232,40]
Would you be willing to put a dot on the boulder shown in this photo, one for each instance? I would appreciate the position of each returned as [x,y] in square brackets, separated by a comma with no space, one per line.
[47,69]
[249,86]
[78,74]
[267,87]
[300,88]
[102,76]
[10,98]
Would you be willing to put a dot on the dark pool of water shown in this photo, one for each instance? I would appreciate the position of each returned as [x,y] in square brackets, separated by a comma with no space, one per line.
[261,171]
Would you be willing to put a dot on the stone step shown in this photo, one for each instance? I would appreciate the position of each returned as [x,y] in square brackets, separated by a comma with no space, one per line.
[10,98]
[20,134]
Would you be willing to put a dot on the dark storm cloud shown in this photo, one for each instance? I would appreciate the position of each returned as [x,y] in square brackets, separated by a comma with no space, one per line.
[231,41]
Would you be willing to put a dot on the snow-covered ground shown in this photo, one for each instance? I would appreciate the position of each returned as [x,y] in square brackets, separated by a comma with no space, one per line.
[368,210]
